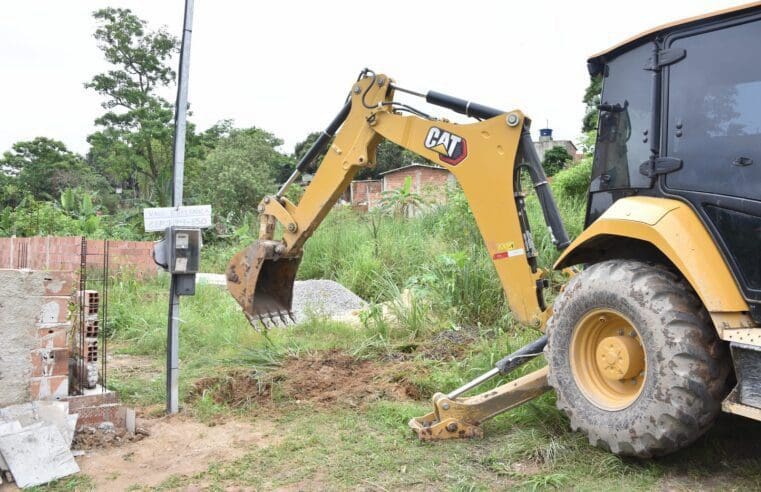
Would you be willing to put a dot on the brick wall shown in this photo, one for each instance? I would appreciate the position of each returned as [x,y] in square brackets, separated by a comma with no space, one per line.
[63,253]
[366,195]
[427,181]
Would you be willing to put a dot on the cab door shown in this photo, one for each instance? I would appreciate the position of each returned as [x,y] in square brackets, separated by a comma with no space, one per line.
[712,104]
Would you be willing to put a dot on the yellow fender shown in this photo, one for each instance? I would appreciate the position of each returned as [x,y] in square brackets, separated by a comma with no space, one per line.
[675,230]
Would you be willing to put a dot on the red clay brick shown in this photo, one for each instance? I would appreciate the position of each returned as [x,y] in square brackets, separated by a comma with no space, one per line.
[95,415]
[46,363]
[54,336]
[60,283]
[77,402]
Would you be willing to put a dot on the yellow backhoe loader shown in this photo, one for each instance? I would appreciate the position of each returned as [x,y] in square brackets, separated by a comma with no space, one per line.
[643,344]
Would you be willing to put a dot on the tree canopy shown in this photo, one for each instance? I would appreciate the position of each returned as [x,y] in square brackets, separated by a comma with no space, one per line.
[239,171]
[591,99]
[135,140]
[42,167]
[555,159]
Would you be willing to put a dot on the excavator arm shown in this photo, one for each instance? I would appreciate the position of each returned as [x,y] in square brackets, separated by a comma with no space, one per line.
[485,157]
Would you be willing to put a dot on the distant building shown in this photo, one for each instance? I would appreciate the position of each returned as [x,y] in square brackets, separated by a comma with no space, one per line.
[546,143]
[429,181]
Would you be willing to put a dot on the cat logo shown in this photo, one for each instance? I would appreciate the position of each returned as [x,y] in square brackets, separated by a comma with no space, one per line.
[451,148]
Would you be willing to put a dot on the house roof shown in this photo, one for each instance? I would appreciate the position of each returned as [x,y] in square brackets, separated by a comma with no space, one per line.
[652,33]
[391,171]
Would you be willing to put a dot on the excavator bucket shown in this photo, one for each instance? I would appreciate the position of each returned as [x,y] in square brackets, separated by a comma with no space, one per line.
[262,282]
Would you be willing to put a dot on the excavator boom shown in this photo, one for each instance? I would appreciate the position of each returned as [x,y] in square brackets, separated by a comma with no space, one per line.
[486,158]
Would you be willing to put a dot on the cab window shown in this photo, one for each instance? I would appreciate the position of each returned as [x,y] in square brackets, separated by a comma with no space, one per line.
[624,122]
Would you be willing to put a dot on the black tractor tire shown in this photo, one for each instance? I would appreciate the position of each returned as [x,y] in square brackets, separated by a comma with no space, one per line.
[687,365]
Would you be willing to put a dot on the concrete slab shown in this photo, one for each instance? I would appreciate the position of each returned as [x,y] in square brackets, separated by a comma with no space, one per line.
[5,429]
[37,456]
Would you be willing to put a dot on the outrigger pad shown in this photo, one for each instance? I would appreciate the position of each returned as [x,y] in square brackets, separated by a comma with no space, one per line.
[262,281]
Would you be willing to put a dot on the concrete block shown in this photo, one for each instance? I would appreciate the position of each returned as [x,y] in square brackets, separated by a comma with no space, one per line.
[37,456]
[49,387]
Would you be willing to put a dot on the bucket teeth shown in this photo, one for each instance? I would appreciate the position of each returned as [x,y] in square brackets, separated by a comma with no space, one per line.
[270,319]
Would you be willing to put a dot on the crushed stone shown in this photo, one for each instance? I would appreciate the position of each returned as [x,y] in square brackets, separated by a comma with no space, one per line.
[323,298]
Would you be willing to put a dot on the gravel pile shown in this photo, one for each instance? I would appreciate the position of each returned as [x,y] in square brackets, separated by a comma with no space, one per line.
[323,298]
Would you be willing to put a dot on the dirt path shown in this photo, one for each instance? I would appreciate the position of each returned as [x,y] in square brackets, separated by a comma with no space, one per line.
[175,446]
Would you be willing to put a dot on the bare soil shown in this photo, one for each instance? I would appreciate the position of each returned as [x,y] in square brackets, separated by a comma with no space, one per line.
[175,445]
[324,379]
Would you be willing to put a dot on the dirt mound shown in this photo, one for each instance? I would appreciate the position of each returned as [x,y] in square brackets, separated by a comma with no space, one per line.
[326,378]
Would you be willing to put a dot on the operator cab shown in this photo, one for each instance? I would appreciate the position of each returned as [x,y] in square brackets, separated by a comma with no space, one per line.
[680,117]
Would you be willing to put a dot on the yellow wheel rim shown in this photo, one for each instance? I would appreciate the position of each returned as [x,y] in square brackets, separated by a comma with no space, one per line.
[608,359]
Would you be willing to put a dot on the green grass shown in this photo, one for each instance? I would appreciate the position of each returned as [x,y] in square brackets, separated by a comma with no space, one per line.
[454,293]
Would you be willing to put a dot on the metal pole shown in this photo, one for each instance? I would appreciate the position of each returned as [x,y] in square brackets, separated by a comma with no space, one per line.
[181,107]
[173,350]
[178,170]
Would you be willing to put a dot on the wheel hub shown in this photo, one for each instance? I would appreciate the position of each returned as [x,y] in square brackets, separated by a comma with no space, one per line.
[608,359]
[620,357]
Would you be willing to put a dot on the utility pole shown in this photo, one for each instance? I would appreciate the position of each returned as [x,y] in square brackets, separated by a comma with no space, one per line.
[178,177]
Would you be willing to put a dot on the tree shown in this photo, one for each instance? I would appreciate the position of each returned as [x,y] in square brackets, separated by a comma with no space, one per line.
[591,99]
[239,171]
[555,159]
[135,142]
[301,148]
[43,167]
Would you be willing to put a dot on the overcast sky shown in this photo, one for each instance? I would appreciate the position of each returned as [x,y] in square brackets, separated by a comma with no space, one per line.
[286,66]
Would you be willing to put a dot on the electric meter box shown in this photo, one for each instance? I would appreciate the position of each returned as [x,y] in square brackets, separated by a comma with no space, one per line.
[180,251]
[184,250]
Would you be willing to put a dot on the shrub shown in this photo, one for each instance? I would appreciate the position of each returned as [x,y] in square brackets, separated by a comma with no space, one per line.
[573,182]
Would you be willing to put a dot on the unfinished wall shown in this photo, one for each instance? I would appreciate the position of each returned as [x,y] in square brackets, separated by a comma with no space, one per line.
[64,253]
[34,325]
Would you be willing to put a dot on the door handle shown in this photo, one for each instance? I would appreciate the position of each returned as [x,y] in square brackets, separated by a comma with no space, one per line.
[742,161]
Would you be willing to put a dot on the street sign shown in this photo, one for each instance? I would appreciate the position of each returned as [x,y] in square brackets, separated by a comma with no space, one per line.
[159,218]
